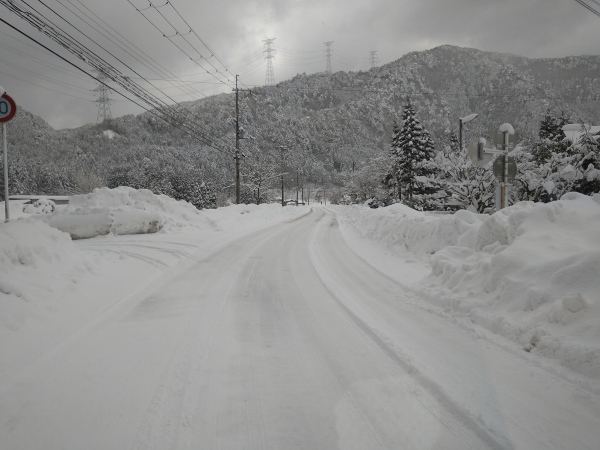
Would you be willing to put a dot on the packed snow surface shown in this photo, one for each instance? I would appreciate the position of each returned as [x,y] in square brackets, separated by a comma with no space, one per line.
[131,320]
[43,271]
[530,272]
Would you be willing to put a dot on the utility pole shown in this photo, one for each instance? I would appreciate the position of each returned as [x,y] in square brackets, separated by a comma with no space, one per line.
[238,135]
[503,199]
[270,77]
[328,55]
[373,58]
[103,100]
[282,148]
[297,184]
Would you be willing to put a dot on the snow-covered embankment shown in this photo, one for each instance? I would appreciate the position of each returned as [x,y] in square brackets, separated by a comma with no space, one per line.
[530,272]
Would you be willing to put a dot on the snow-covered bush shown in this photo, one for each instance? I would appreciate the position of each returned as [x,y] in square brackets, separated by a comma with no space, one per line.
[40,206]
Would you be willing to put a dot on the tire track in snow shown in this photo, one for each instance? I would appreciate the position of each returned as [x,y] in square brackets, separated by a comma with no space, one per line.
[172,413]
[435,398]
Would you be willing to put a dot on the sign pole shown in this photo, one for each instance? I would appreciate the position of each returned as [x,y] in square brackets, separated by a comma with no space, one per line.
[8,109]
[504,172]
[5,160]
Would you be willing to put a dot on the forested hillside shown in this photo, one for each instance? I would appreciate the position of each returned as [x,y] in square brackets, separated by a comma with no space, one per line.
[336,128]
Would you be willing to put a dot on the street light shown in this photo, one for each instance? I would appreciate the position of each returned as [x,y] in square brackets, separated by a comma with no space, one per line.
[461,121]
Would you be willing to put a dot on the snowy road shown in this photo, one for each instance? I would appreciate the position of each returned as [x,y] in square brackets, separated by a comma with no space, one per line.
[286,339]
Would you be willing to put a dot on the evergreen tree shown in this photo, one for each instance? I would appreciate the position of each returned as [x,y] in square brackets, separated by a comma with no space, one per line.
[550,129]
[410,145]
[416,163]
[454,144]
[587,162]
[394,176]
[552,139]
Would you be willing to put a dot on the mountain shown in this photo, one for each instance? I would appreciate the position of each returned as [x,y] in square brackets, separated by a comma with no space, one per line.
[330,123]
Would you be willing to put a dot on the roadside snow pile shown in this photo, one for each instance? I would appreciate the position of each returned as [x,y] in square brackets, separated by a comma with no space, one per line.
[402,228]
[36,261]
[530,272]
[125,210]
[122,210]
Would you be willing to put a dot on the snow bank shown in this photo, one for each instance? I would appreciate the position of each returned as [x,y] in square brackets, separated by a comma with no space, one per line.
[44,272]
[122,210]
[125,210]
[530,272]
[402,228]
[36,262]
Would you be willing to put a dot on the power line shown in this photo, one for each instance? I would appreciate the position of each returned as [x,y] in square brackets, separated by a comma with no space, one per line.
[130,48]
[589,7]
[45,77]
[36,59]
[183,34]
[177,117]
[45,87]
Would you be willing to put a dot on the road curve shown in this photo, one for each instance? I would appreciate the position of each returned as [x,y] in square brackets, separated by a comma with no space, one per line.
[285,339]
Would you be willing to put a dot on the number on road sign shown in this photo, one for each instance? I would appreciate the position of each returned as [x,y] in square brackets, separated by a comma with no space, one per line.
[8,108]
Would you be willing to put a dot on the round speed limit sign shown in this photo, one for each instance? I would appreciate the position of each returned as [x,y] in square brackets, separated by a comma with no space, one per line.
[8,108]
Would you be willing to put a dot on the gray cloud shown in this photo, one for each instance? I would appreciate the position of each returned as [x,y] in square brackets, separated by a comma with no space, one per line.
[235,29]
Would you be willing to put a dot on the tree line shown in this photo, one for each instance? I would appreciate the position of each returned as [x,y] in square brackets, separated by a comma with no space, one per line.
[415,174]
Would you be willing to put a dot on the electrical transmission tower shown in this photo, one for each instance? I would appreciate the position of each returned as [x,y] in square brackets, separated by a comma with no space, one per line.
[328,55]
[102,100]
[373,58]
[270,77]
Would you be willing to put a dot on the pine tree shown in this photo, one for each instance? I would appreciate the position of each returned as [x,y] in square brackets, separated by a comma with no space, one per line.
[416,157]
[410,144]
[587,162]
[549,128]
[552,139]
[394,176]
[454,142]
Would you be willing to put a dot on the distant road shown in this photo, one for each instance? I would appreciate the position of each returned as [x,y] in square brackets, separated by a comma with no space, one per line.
[286,339]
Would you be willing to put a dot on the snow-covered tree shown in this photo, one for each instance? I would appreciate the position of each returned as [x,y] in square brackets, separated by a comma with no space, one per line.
[454,144]
[468,186]
[586,161]
[258,175]
[415,161]
[393,178]
[551,138]
[364,184]
[556,166]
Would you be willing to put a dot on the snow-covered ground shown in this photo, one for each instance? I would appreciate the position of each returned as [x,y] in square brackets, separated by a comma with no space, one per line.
[79,317]
[50,283]
[530,272]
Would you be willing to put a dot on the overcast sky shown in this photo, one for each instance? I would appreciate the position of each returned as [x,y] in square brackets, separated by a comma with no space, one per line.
[235,30]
